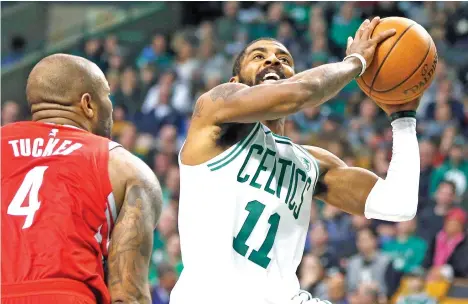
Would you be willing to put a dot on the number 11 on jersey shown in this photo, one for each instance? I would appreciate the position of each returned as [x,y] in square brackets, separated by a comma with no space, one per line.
[260,256]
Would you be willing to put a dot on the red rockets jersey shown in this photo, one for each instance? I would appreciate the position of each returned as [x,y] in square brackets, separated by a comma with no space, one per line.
[57,207]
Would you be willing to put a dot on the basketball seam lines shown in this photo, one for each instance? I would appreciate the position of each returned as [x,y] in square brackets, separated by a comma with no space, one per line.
[386,56]
[420,64]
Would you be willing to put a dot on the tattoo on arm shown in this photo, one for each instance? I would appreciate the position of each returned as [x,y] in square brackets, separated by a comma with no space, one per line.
[222,91]
[197,112]
[131,246]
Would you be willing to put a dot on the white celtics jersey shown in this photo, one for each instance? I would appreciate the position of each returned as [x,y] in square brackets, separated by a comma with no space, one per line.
[243,221]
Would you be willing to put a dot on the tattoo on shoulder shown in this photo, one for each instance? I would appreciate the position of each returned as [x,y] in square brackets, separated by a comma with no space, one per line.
[222,91]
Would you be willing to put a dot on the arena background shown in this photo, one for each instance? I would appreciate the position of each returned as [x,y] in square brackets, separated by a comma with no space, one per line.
[160,56]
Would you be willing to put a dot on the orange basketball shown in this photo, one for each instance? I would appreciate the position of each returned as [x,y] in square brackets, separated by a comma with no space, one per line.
[403,66]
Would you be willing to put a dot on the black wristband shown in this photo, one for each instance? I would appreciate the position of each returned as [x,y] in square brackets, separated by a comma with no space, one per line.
[401,114]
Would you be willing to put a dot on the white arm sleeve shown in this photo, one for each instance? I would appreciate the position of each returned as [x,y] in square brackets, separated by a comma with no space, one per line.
[395,199]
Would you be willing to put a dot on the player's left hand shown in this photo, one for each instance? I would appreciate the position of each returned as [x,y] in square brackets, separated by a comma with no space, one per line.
[409,106]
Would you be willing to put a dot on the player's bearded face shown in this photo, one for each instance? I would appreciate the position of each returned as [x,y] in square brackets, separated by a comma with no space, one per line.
[269,74]
[104,123]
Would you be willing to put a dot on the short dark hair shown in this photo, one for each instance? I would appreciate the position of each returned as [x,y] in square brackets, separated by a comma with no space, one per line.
[237,62]
[371,231]
[450,183]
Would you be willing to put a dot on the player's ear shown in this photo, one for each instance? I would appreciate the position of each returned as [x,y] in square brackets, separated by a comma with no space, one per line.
[234,79]
[87,106]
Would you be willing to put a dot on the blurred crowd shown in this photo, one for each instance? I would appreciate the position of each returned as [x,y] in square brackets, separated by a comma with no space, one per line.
[347,259]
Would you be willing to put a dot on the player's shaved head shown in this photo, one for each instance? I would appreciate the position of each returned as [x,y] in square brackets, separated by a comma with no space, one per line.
[62,79]
[72,90]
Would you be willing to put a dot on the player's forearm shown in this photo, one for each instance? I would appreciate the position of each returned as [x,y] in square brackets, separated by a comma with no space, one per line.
[396,197]
[359,191]
[240,103]
[131,246]
[327,80]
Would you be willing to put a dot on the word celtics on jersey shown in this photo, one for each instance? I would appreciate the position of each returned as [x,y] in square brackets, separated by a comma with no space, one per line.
[244,216]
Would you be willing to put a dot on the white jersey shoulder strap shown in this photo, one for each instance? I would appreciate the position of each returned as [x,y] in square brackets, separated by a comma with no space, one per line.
[113,145]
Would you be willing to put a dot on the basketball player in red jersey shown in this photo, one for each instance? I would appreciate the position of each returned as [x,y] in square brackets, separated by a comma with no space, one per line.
[72,199]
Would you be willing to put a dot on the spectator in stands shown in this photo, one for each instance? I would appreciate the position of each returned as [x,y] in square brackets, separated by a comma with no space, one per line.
[167,140]
[286,35]
[167,226]
[312,276]
[443,120]
[147,79]
[415,289]
[169,86]
[298,11]
[320,247]
[120,123]
[366,293]
[211,63]
[444,95]
[344,24]
[10,112]
[431,220]
[93,52]
[163,103]
[426,153]
[162,163]
[406,250]
[171,184]
[339,227]
[455,169]
[155,54]
[128,94]
[387,9]
[336,289]
[167,280]
[112,47]
[228,24]
[369,265]
[17,46]
[308,121]
[185,64]
[113,78]
[115,64]
[362,127]
[348,247]
[448,251]
[128,137]
[173,253]
[318,52]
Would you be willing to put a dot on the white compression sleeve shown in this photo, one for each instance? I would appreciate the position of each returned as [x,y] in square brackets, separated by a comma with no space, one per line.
[395,199]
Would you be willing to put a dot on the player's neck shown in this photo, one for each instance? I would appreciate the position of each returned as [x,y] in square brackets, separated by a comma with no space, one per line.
[61,121]
[276,126]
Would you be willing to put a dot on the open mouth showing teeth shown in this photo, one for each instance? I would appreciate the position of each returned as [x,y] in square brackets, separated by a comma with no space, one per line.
[271,76]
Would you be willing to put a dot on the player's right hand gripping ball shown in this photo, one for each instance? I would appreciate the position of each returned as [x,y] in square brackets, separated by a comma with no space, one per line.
[403,66]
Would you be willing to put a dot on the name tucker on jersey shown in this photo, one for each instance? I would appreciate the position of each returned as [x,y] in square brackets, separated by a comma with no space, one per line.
[282,172]
[38,147]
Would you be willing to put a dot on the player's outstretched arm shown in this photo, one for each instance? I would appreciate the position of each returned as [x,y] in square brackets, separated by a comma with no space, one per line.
[359,191]
[138,196]
[236,102]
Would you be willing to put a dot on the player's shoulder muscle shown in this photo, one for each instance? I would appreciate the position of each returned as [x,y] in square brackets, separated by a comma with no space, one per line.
[326,159]
[129,175]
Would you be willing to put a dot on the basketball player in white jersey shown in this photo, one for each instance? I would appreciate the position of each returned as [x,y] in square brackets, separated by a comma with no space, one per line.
[246,190]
